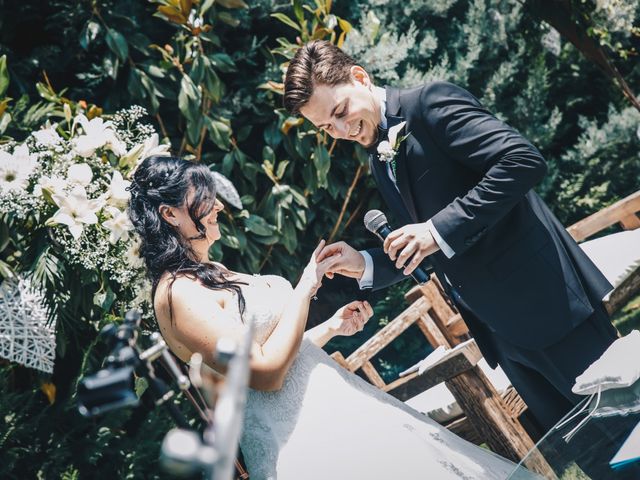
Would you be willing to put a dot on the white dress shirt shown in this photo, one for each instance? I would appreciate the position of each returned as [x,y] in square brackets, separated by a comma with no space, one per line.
[367,276]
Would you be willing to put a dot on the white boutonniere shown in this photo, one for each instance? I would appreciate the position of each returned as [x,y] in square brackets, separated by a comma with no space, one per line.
[388,149]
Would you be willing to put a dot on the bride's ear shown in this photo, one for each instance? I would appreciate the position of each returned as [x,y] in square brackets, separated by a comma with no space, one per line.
[168,214]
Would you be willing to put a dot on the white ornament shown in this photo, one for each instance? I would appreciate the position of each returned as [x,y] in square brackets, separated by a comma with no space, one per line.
[26,336]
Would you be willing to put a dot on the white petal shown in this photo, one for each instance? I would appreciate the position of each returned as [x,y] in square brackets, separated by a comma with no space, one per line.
[393,132]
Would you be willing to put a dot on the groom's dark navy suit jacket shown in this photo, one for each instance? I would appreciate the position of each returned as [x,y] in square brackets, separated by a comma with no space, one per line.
[515,266]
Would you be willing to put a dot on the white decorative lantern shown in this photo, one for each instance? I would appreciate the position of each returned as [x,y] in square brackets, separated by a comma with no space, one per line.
[25,335]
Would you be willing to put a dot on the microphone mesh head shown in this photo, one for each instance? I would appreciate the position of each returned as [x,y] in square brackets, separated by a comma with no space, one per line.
[373,220]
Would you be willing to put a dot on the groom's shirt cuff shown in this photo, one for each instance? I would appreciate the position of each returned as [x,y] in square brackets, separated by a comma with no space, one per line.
[366,281]
[444,246]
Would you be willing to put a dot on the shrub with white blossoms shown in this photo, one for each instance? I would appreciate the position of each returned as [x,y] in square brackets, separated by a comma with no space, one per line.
[72,178]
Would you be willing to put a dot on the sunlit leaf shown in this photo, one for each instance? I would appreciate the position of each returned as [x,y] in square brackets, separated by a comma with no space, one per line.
[232,3]
[286,20]
[4,75]
[227,190]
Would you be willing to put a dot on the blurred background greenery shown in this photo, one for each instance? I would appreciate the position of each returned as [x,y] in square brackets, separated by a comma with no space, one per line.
[209,73]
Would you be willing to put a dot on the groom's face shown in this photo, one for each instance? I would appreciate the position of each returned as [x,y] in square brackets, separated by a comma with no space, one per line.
[348,111]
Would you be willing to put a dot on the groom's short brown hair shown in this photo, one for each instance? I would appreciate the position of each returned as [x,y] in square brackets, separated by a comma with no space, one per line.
[316,62]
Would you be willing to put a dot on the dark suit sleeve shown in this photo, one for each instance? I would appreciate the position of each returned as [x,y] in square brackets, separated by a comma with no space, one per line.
[385,272]
[509,164]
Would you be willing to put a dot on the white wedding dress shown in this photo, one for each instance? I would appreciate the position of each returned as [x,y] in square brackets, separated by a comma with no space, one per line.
[328,424]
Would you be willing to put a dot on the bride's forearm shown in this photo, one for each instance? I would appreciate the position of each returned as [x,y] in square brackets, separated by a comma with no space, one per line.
[320,334]
[272,363]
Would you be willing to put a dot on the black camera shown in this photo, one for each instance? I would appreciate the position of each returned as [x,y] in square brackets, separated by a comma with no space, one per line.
[114,386]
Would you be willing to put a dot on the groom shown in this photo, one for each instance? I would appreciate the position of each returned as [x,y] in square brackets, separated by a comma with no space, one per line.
[459,183]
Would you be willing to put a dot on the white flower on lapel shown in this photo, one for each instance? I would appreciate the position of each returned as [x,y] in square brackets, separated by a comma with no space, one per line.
[388,149]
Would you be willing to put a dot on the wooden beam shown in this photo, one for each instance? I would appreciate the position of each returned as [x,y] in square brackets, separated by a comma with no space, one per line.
[338,357]
[373,375]
[624,209]
[387,334]
[623,292]
[433,333]
[457,360]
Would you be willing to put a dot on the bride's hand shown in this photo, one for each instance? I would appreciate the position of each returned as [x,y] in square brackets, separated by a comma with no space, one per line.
[314,271]
[350,319]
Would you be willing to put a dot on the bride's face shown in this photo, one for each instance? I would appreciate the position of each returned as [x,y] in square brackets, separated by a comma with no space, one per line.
[183,222]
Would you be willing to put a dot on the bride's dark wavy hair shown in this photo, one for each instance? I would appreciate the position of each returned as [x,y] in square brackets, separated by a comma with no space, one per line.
[167,181]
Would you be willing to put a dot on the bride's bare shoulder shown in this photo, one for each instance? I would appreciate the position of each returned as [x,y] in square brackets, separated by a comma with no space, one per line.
[183,288]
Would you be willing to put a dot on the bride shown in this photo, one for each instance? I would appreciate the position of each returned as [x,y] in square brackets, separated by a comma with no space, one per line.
[306,418]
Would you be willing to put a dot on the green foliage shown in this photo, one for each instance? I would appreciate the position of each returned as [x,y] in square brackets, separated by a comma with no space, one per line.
[211,73]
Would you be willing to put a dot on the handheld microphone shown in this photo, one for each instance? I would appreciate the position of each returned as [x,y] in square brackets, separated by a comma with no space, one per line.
[376,222]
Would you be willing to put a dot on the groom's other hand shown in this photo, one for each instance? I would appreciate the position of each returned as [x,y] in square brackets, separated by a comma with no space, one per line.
[413,241]
[351,263]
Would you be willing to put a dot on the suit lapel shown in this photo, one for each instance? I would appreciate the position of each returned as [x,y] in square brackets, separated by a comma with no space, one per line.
[394,117]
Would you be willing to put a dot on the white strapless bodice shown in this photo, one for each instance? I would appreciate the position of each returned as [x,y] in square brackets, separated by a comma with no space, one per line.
[327,423]
[265,298]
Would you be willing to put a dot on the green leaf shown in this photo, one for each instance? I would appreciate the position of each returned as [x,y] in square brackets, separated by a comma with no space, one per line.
[197,70]
[322,162]
[213,85]
[286,20]
[289,237]
[141,385]
[5,270]
[272,135]
[298,11]
[229,19]
[282,166]
[206,5]
[232,3]
[223,62]
[4,75]
[220,133]
[194,130]
[189,98]
[118,44]
[259,226]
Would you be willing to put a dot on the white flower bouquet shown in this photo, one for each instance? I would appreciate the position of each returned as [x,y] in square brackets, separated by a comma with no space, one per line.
[71,178]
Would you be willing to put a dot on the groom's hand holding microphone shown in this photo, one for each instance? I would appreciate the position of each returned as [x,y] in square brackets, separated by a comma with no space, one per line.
[407,246]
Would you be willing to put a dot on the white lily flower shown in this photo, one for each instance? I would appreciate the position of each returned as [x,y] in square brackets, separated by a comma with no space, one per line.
[76,210]
[47,137]
[151,147]
[51,185]
[15,168]
[118,195]
[80,173]
[97,134]
[119,225]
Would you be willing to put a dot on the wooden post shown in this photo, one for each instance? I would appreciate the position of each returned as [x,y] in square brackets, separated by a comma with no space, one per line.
[485,408]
